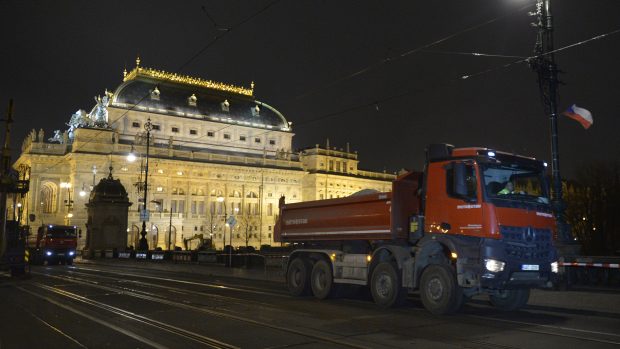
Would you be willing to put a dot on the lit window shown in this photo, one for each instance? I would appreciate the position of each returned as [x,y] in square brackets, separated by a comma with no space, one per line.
[160,189]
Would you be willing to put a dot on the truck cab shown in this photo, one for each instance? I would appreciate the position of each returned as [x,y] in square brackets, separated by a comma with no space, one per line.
[492,210]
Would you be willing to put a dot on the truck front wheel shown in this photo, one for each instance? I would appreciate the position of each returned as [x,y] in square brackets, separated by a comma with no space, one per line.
[510,300]
[298,277]
[386,285]
[439,291]
[321,279]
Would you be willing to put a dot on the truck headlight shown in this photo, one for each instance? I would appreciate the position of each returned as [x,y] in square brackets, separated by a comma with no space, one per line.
[71,253]
[494,266]
[48,253]
[554,267]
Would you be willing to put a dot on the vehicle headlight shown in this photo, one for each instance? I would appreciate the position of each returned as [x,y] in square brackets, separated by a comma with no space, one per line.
[554,267]
[494,266]
[49,253]
[71,253]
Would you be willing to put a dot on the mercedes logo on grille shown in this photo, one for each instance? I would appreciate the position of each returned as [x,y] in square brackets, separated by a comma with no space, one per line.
[529,234]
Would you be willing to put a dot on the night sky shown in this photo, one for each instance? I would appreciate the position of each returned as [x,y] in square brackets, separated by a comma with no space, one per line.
[303,56]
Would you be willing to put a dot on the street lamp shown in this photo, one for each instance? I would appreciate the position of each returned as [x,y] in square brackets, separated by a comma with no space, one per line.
[68,202]
[144,245]
[221,200]
[94,174]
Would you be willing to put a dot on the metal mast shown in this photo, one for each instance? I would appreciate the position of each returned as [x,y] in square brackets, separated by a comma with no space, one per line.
[547,70]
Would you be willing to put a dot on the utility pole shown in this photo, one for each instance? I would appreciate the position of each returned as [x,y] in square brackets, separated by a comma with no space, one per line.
[547,70]
[5,178]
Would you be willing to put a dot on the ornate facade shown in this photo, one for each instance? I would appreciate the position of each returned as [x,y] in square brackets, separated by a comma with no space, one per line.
[214,151]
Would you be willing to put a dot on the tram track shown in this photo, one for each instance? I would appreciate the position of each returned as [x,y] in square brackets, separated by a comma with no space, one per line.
[504,324]
[120,290]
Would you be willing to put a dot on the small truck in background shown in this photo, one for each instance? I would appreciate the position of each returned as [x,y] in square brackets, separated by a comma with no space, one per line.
[474,221]
[53,244]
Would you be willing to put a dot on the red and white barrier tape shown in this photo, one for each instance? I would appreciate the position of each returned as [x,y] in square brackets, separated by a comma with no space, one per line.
[597,265]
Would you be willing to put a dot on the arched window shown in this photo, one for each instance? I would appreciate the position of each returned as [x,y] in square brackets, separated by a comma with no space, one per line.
[235,194]
[216,192]
[252,195]
[49,197]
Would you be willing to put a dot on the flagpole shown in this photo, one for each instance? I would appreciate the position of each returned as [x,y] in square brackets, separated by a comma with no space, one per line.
[544,64]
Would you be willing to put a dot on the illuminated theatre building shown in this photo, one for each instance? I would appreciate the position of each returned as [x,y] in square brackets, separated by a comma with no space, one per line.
[215,151]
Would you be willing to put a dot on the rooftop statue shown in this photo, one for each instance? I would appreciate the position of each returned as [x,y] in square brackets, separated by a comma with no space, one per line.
[99,114]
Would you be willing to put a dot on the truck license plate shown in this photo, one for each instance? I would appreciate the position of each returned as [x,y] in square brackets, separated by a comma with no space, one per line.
[529,267]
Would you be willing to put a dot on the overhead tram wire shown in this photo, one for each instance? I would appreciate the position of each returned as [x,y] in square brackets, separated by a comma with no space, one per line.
[407,53]
[388,98]
[191,59]
[370,67]
[445,82]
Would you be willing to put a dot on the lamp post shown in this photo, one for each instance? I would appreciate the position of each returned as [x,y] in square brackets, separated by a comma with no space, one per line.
[144,215]
[68,202]
[221,200]
[94,174]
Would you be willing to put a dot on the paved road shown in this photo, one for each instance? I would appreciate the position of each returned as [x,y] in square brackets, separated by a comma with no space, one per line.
[126,305]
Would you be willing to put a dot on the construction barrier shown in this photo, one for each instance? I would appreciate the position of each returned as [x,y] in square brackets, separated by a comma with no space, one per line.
[595,271]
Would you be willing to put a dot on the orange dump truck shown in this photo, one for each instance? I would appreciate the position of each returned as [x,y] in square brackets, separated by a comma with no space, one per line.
[474,221]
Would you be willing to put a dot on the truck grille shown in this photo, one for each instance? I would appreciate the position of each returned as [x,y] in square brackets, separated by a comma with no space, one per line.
[527,243]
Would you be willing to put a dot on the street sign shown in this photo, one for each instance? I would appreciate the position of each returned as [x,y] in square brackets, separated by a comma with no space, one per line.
[144,215]
[231,221]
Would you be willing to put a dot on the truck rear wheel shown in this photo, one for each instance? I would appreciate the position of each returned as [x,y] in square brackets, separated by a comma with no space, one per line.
[298,277]
[510,300]
[386,285]
[321,279]
[439,291]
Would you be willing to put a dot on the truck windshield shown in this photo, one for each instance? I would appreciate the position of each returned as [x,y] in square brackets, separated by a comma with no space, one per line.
[61,232]
[515,183]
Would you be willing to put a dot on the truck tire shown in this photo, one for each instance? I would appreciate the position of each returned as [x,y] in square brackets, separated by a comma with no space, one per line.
[322,280]
[386,285]
[510,300]
[298,277]
[439,290]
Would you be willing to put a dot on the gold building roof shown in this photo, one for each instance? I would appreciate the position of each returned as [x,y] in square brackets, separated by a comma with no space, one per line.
[139,71]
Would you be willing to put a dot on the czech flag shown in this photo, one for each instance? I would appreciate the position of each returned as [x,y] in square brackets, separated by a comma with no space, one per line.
[583,116]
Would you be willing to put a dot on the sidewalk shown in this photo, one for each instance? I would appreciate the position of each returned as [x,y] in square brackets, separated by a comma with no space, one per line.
[211,269]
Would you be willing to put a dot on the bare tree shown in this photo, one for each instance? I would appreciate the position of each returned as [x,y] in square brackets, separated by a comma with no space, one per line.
[593,206]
